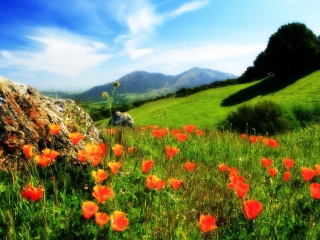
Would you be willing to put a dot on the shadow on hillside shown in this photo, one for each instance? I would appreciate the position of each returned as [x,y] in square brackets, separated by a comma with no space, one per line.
[269,85]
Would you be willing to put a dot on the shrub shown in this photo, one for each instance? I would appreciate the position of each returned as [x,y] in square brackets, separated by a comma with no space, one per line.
[264,117]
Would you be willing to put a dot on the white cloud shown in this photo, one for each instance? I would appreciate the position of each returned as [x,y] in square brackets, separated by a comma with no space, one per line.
[191,6]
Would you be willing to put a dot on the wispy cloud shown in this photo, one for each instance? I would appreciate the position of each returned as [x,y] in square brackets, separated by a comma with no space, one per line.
[191,6]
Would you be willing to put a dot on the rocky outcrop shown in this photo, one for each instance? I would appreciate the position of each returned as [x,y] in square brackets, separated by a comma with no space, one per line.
[122,119]
[25,116]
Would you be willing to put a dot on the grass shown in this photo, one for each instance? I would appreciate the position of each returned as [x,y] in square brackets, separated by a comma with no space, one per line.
[289,210]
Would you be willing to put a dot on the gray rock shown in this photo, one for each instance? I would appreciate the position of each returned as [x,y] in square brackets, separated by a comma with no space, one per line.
[122,119]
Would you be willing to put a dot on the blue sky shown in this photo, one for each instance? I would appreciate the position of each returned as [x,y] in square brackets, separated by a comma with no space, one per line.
[76,45]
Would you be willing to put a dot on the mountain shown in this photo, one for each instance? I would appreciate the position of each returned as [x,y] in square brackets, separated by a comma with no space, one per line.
[142,85]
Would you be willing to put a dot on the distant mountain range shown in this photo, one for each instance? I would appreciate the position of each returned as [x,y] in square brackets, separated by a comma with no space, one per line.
[142,85]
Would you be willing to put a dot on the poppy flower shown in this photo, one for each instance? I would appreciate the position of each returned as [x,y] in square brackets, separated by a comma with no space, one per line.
[315,190]
[252,208]
[75,137]
[288,162]
[114,166]
[253,139]
[286,176]
[43,161]
[82,155]
[181,137]
[94,150]
[119,222]
[175,183]
[171,151]
[189,166]
[102,193]
[130,150]
[273,172]
[101,218]
[159,133]
[153,181]
[50,153]
[233,172]
[207,223]
[32,193]
[266,162]
[99,175]
[117,149]
[272,143]
[308,173]
[54,129]
[223,167]
[243,136]
[199,133]
[234,180]
[241,189]
[89,209]
[95,160]
[190,128]
[146,165]
[27,149]
[103,148]
[174,132]
[317,167]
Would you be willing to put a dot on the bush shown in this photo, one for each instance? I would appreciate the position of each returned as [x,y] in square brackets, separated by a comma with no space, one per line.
[306,114]
[264,117]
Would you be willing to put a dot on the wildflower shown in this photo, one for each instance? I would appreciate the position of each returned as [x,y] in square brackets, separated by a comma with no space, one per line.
[114,166]
[89,209]
[95,160]
[102,193]
[243,136]
[181,137]
[199,133]
[75,137]
[146,165]
[272,143]
[288,162]
[32,193]
[272,172]
[94,150]
[27,149]
[308,173]
[233,172]
[103,148]
[171,151]
[117,149]
[159,133]
[153,181]
[99,175]
[223,167]
[315,190]
[190,128]
[253,139]
[317,167]
[49,153]
[54,129]
[116,84]
[235,180]
[174,132]
[266,162]
[286,176]
[241,189]
[82,155]
[101,218]
[104,95]
[252,208]
[207,223]
[119,222]
[189,166]
[175,183]
[43,161]
[130,150]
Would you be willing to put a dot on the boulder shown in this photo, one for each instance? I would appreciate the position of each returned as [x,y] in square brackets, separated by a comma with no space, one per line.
[25,116]
[122,119]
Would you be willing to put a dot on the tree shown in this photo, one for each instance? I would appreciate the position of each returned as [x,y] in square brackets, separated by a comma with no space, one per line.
[294,50]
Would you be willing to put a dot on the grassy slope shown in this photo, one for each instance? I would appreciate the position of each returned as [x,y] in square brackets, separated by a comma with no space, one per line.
[204,108]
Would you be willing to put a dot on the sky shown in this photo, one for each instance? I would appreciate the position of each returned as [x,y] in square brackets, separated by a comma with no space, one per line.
[76,45]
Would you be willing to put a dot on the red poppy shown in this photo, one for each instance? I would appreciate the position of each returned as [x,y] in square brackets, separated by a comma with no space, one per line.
[175,183]
[114,166]
[190,128]
[32,193]
[252,208]
[99,175]
[171,151]
[234,180]
[266,162]
[117,149]
[146,165]
[175,131]
[241,189]
[315,190]
[102,193]
[308,173]
[181,137]
[286,176]
[159,133]
[101,218]
[54,129]
[119,221]
[153,181]
[233,172]
[82,155]
[243,136]
[273,172]
[103,148]
[288,162]
[199,133]
[27,149]
[89,209]
[272,143]
[223,167]
[189,166]
[207,223]
[75,137]
[253,139]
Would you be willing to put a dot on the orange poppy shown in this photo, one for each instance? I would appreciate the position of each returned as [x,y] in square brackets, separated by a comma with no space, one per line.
[119,221]
[75,137]
[241,189]
[273,172]
[114,166]
[32,193]
[49,153]
[101,218]
[252,208]
[171,151]
[117,149]
[95,160]
[266,162]
[315,190]
[317,167]
[286,176]
[130,150]
[146,165]
[94,150]
[54,129]
[42,160]
[27,149]
[102,193]
[243,136]
[223,167]
[308,173]
[103,148]
[253,139]
[189,166]
[99,175]
[153,181]
[207,223]
[89,209]
[288,162]
[181,137]
[190,128]
[82,155]
[159,133]
[175,183]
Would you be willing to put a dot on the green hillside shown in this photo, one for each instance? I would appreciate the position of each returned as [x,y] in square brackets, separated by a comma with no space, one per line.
[206,108]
